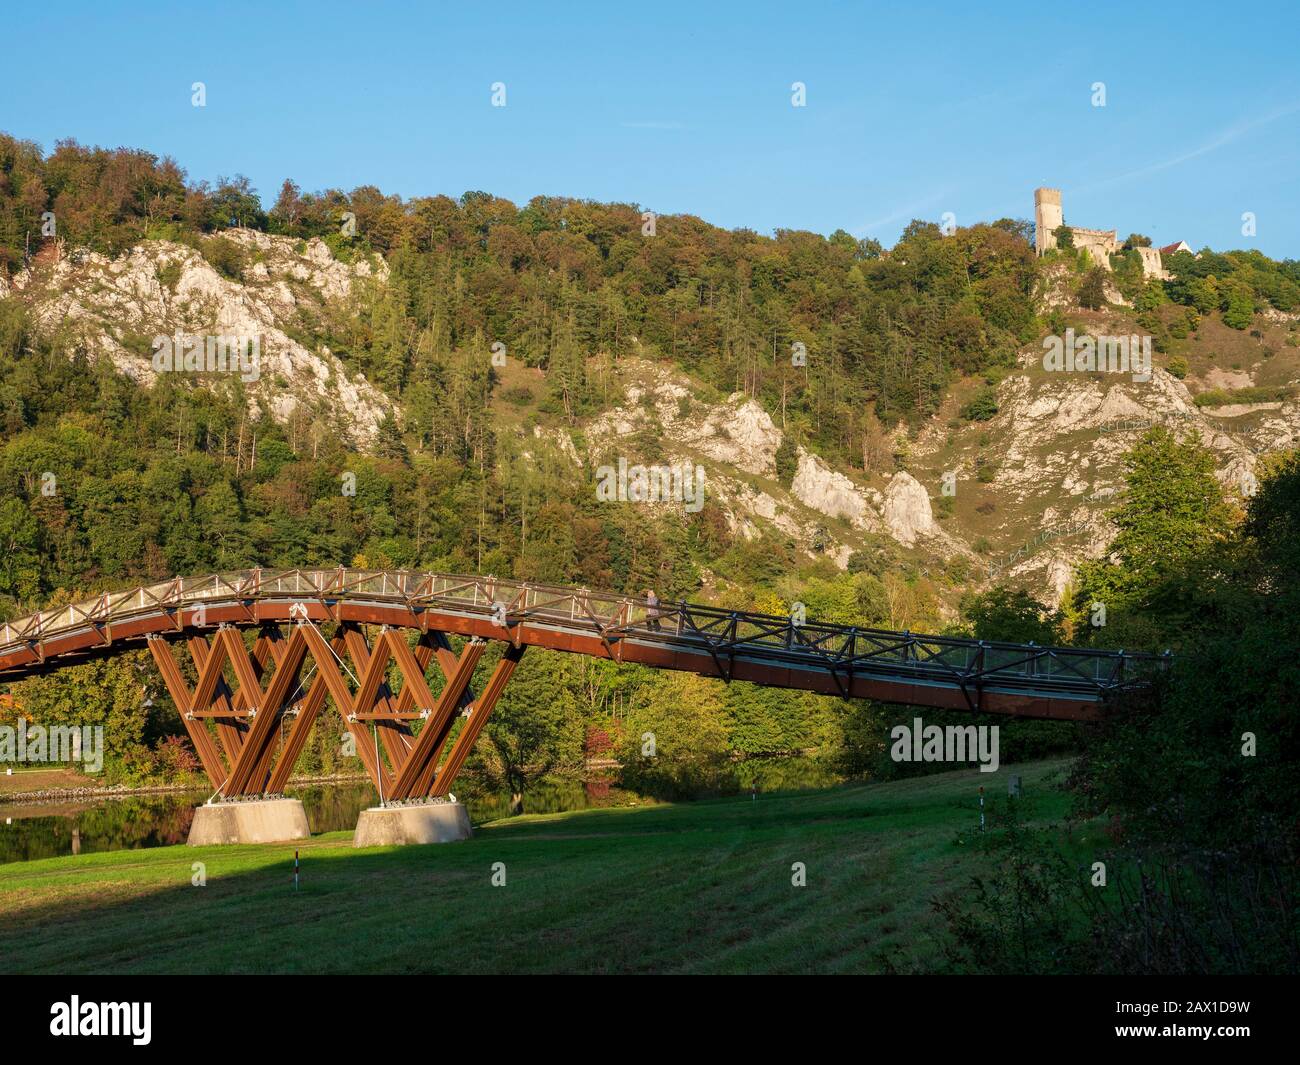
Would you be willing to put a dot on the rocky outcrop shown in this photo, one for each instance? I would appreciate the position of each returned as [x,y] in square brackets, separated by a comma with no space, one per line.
[159,288]
[906,511]
[831,493]
[736,432]
[1070,432]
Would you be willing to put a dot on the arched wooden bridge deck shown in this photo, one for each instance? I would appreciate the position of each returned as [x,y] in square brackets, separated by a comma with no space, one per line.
[287,608]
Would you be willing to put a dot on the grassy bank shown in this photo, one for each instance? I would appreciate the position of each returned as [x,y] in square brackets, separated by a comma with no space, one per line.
[699,887]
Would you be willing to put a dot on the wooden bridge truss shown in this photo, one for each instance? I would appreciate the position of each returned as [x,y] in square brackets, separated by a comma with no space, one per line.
[262,701]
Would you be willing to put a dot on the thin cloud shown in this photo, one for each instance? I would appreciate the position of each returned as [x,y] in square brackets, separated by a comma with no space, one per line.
[1225,137]
[904,213]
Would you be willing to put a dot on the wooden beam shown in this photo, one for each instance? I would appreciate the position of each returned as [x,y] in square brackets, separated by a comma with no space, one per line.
[343,699]
[448,700]
[308,712]
[272,704]
[230,731]
[204,746]
[446,658]
[478,718]
[270,645]
[394,735]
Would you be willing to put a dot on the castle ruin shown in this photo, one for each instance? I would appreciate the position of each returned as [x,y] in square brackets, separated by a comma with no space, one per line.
[1100,244]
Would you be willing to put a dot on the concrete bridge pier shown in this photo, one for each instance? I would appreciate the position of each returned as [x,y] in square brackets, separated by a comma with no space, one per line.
[251,821]
[435,821]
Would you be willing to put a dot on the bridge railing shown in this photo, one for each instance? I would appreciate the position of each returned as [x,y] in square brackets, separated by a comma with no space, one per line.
[845,650]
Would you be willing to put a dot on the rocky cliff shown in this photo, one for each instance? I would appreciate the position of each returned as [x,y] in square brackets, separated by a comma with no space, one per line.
[115,307]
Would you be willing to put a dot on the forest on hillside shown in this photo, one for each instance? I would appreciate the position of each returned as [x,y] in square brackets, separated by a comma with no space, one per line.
[559,280]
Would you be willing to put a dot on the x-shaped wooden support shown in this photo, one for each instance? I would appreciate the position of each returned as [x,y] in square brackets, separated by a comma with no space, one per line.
[469,734]
[247,716]
[272,704]
[329,674]
[204,745]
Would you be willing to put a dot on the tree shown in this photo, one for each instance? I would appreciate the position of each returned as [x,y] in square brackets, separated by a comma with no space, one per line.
[288,208]
[1238,304]
[677,735]
[20,555]
[1172,513]
[787,460]
[112,693]
[1174,763]
[235,203]
[982,406]
[535,729]
[1011,615]
[1092,290]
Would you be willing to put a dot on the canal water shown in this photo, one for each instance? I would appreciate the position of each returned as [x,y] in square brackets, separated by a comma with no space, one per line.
[29,831]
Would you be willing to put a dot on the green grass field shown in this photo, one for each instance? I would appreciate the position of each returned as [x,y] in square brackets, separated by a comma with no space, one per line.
[698,887]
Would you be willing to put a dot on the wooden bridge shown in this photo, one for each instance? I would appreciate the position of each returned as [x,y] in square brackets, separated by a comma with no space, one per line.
[235,711]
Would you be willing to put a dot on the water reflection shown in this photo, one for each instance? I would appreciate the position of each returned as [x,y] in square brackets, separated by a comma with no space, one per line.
[50,830]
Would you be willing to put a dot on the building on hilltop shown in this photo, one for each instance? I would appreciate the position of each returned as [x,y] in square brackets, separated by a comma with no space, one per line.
[1100,244]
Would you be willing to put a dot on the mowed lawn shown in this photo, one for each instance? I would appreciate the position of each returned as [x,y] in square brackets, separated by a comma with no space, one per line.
[693,887]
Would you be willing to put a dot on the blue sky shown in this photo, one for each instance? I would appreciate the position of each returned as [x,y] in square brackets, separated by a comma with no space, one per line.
[912,110]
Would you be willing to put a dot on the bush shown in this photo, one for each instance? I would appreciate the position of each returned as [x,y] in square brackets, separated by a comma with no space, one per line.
[1040,911]
[982,407]
[1220,397]
[169,274]
[1238,305]
[224,256]
[787,461]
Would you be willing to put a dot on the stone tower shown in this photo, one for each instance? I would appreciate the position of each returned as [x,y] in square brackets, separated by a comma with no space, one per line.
[1047,217]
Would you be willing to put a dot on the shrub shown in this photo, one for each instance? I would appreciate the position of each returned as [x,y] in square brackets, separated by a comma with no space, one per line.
[1219,397]
[169,275]
[787,461]
[982,407]
[224,256]
[1092,292]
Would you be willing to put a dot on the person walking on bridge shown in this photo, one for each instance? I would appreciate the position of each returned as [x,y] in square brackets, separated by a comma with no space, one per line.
[652,609]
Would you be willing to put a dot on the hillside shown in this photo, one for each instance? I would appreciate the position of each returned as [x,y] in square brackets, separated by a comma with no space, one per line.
[441,381]
[1048,459]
